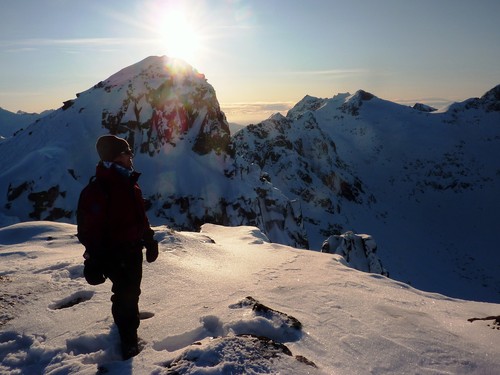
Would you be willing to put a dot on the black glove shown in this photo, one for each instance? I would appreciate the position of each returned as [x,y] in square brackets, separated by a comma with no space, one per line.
[151,250]
[92,272]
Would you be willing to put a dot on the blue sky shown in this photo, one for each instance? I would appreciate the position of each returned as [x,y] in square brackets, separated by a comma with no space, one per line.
[261,56]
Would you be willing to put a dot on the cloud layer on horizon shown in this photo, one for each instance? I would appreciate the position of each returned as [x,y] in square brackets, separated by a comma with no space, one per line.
[248,113]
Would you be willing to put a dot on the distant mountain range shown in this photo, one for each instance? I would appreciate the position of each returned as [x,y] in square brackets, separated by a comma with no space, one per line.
[423,183]
[11,122]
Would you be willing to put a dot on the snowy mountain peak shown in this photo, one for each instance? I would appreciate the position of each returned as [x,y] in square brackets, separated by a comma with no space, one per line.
[155,69]
[354,102]
[489,102]
[347,103]
[308,103]
[277,117]
[491,99]
[360,95]
[158,102]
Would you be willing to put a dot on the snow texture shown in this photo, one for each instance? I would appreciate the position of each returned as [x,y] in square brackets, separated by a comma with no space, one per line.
[227,301]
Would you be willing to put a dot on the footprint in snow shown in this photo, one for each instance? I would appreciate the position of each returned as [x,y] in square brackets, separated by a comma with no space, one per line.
[74,299]
[143,315]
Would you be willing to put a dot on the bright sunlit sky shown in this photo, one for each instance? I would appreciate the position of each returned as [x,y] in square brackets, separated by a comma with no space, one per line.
[261,56]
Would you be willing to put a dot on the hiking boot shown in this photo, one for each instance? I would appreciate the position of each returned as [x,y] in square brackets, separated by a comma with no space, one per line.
[129,351]
[129,345]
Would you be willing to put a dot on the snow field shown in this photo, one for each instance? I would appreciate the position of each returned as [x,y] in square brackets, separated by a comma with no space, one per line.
[197,318]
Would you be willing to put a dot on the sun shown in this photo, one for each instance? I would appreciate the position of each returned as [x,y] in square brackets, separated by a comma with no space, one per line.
[178,35]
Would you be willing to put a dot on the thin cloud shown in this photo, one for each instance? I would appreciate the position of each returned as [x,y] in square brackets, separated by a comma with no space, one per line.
[21,49]
[258,106]
[20,93]
[328,72]
[432,101]
[27,44]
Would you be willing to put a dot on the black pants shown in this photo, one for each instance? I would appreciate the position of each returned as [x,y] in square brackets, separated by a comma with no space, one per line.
[125,272]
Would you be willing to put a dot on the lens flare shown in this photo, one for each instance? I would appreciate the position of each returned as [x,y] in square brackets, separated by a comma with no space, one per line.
[177,33]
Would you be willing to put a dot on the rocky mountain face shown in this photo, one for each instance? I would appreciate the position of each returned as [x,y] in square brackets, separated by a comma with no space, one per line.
[300,160]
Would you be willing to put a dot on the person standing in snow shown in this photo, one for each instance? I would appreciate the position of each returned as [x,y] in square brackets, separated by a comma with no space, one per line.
[114,228]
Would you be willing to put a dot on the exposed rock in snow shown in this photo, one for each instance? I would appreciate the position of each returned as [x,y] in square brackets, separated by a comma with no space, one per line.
[357,249]
[224,354]
[354,102]
[423,107]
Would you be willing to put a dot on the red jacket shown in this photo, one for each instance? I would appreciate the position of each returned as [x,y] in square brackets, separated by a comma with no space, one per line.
[111,214]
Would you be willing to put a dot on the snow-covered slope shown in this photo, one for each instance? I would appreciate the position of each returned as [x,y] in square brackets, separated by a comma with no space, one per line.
[226,301]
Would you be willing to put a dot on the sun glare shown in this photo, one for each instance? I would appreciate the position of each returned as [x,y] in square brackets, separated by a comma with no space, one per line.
[178,35]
